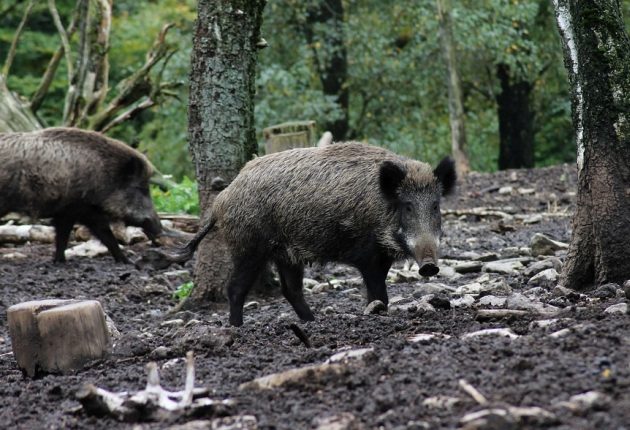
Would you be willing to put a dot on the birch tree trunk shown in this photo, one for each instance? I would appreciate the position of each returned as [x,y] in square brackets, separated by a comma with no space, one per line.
[455,98]
[221,117]
[597,58]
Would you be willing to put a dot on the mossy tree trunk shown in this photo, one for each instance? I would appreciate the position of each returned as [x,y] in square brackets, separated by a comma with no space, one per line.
[455,96]
[597,58]
[221,117]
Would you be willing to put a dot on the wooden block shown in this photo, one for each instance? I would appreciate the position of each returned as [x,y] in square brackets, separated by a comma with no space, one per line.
[57,336]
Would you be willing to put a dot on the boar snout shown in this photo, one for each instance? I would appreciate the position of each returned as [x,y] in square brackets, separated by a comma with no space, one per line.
[426,256]
[428,268]
[152,227]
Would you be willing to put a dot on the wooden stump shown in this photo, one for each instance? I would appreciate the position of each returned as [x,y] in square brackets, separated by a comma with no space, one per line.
[57,336]
[298,134]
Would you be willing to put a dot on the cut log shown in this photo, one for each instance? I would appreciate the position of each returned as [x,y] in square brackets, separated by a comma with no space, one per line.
[297,134]
[57,336]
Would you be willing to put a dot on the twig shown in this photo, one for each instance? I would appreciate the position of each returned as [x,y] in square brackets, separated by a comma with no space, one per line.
[128,114]
[38,97]
[300,334]
[472,392]
[63,36]
[16,38]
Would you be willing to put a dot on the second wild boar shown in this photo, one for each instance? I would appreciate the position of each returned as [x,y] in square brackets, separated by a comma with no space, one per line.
[76,176]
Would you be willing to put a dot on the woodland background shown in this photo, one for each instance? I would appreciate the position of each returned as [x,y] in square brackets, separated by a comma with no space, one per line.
[397,90]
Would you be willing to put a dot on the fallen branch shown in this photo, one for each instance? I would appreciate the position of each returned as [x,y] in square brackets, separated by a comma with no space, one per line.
[154,402]
[472,392]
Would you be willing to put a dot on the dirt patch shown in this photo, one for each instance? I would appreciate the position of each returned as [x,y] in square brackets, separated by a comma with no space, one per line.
[386,388]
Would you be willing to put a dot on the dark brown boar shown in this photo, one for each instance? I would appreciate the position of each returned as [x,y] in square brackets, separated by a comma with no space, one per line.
[350,203]
[71,176]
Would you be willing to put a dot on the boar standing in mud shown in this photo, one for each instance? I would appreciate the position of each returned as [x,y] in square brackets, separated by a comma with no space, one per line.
[349,203]
[71,176]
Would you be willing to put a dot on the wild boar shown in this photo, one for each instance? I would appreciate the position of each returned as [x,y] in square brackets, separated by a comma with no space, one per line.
[351,203]
[71,176]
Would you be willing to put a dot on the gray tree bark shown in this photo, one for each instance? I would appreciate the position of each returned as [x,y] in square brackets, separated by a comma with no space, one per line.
[455,98]
[597,57]
[221,117]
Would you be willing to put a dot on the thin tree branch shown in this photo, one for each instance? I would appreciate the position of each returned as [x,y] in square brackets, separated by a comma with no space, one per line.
[16,38]
[63,35]
[129,114]
[40,94]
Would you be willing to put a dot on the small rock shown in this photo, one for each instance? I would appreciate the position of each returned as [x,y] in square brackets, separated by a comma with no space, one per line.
[532,219]
[491,300]
[342,421]
[619,308]
[14,256]
[431,288]
[506,190]
[546,278]
[349,354]
[159,352]
[321,288]
[506,267]
[526,191]
[539,266]
[441,402]
[606,291]
[472,288]
[468,267]
[466,300]
[92,248]
[407,276]
[440,301]
[375,307]
[544,245]
[309,283]
[487,256]
[172,323]
[510,252]
[448,272]
[312,373]
[425,338]
[581,403]
[505,332]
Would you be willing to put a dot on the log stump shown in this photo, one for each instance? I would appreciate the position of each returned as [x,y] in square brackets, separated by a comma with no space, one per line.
[57,336]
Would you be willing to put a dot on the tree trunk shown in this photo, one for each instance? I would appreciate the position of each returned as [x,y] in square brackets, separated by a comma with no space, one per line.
[516,121]
[597,58]
[14,114]
[324,24]
[221,117]
[455,99]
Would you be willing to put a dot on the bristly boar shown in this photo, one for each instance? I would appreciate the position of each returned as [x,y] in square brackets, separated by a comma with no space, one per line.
[72,175]
[348,202]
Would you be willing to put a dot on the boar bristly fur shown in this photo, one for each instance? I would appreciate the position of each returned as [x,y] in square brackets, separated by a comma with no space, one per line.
[71,176]
[349,203]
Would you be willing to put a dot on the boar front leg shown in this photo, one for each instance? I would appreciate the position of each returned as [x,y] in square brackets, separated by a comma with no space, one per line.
[291,278]
[374,272]
[63,226]
[99,226]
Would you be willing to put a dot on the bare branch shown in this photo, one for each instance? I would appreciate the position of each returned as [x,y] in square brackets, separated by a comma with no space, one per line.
[136,86]
[16,38]
[62,35]
[38,97]
[131,113]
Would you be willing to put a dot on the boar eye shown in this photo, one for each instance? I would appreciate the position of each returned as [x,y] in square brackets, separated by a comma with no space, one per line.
[436,206]
[408,207]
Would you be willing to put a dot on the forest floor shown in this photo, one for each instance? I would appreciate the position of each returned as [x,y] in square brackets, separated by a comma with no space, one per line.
[567,354]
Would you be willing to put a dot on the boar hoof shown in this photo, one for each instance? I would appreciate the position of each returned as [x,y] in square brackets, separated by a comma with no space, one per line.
[428,269]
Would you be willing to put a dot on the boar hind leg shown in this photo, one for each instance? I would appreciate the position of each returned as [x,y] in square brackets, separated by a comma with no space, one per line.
[291,277]
[374,273]
[63,226]
[244,274]
[99,226]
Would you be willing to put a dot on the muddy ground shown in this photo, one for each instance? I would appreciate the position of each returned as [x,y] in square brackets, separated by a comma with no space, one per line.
[386,388]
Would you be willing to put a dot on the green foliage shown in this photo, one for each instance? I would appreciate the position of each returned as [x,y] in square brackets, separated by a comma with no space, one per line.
[182,198]
[183,291]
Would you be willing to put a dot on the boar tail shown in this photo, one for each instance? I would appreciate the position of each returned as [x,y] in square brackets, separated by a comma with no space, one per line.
[187,251]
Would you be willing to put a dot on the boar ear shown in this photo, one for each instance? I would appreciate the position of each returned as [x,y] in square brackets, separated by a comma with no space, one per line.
[391,175]
[132,167]
[446,175]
